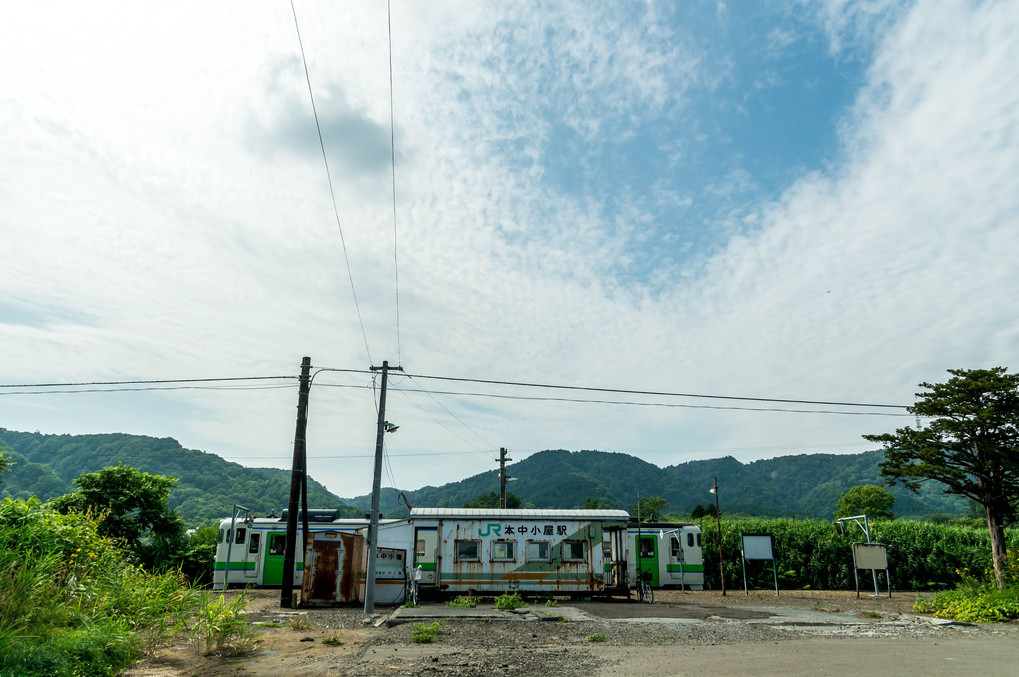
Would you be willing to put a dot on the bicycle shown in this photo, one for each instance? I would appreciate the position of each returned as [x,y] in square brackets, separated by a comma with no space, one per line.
[414,578]
[645,593]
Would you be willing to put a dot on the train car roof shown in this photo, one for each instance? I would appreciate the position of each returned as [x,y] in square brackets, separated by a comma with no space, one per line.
[500,513]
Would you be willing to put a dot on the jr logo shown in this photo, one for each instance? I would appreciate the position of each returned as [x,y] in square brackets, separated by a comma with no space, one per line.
[491,529]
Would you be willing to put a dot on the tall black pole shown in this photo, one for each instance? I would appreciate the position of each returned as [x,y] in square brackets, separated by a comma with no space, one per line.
[297,481]
[373,525]
[718,521]
[502,477]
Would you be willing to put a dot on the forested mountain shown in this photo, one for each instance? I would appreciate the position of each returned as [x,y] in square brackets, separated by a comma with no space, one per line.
[207,486]
[807,485]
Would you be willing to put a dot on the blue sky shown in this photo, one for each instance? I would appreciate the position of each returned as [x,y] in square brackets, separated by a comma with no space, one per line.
[795,200]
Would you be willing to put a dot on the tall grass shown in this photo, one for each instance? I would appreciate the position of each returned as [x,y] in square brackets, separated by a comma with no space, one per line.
[72,603]
[811,554]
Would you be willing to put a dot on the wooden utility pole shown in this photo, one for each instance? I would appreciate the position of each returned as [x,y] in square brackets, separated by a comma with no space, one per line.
[502,477]
[298,487]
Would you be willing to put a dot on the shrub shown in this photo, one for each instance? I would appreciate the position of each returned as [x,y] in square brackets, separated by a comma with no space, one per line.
[596,637]
[72,603]
[463,602]
[508,602]
[426,634]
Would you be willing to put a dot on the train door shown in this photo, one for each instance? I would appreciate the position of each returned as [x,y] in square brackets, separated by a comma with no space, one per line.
[251,554]
[676,566]
[426,541]
[647,557]
[272,567]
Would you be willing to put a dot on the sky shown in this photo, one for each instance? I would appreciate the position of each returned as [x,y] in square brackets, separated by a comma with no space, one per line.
[779,200]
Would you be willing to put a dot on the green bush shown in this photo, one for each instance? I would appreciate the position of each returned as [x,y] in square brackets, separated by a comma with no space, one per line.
[426,634]
[508,602]
[71,603]
[463,602]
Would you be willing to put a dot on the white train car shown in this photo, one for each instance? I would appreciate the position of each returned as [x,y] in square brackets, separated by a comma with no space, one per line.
[667,552]
[256,547]
[553,552]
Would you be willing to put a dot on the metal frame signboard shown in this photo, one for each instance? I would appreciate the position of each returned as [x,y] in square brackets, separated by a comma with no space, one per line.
[873,556]
[758,547]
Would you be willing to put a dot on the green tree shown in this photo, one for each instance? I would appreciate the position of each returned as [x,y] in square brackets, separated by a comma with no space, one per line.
[649,509]
[700,511]
[491,500]
[971,445]
[597,504]
[866,499]
[131,507]
[4,465]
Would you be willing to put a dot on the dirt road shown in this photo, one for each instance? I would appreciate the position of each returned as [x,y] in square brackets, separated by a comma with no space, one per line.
[702,633]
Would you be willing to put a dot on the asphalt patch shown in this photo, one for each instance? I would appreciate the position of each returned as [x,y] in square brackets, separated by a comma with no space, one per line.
[630,609]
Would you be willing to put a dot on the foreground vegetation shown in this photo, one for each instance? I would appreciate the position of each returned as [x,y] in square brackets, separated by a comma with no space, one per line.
[73,603]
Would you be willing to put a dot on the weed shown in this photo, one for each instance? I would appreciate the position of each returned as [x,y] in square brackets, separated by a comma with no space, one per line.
[826,609]
[551,602]
[871,614]
[463,602]
[508,602]
[596,637]
[333,640]
[426,634]
[300,623]
[268,624]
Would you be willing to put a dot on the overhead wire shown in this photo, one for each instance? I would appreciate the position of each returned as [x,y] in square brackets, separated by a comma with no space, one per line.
[392,148]
[329,179]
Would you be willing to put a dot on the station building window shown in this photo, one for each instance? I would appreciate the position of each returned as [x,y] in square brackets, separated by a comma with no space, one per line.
[573,551]
[504,551]
[468,551]
[538,551]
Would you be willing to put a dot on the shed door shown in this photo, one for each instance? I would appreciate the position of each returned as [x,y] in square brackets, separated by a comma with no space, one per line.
[426,541]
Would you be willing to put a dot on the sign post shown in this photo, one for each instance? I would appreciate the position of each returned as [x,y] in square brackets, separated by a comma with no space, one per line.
[758,546]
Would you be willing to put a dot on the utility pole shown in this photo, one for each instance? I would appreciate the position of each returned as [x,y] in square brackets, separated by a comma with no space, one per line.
[298,480]
[718,521]
[502,477]
[373,525]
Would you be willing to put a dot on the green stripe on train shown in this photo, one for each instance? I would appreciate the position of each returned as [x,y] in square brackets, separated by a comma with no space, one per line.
[686,568]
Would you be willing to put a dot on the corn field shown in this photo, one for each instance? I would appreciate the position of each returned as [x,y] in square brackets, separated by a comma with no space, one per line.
[811,554]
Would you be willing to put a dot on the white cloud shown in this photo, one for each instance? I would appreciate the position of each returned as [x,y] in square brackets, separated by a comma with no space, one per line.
[156,237]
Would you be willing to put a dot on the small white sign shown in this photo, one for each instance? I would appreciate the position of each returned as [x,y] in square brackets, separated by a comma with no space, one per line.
[757,546]
[870,556]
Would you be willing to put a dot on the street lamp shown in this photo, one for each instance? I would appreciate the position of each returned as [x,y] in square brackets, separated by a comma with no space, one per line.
[718,521]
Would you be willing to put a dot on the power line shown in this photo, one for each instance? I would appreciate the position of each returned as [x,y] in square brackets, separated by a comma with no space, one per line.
[656,393]
[145,382]
[329,179]
[662,404]
[392,148]
[622,391]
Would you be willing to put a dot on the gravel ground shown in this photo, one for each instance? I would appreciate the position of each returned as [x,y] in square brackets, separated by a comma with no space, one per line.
[633,638]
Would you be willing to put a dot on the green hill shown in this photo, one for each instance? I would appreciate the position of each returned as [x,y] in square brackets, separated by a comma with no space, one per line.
[207,486]
[807,485]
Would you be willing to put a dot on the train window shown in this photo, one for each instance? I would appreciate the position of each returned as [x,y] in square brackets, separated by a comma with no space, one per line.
[647,548]
[419,548]
[538,551]
[277,544]
[468,551]
[689,540]
[504,551]
[241,533]
[220,539]
[677,551]
[253,545]
[573,551]
[698,540]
